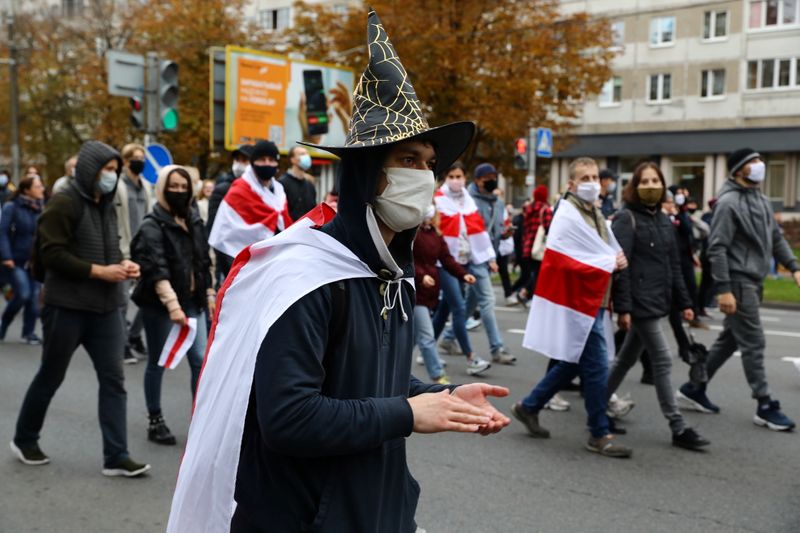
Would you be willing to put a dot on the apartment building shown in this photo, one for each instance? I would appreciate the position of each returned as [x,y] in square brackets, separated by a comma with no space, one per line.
[693,81]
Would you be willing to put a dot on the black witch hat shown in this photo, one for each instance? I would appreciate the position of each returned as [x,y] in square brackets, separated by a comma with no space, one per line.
[386,108]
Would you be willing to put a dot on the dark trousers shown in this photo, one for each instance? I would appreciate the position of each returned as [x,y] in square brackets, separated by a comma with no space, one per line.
[102,336]
[705,293]
[502,265]
[687,270]
[26,294]
[525,269]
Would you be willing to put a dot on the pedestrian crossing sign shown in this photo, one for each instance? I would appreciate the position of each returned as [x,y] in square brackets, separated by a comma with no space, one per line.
[544,142]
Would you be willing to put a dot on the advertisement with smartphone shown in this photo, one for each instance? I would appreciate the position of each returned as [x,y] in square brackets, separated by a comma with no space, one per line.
[269,96]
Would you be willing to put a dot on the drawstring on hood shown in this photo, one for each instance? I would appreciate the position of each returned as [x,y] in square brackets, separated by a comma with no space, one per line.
[390,302]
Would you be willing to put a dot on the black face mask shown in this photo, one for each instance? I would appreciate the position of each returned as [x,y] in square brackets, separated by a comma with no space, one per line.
[136,166]
[178,202]
[265,172]
[490,185]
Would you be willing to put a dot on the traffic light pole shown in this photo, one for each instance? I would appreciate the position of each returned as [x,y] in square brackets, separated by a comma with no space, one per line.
[14,98]
[530,179]
[152,125]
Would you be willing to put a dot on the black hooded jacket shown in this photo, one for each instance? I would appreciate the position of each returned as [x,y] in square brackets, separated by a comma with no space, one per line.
[75,231]
[324,440]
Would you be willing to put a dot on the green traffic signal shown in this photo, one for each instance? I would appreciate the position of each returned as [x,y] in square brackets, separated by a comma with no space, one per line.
[169,119]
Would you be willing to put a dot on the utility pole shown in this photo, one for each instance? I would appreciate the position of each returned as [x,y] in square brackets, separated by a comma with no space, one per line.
[14,98]
[151,97]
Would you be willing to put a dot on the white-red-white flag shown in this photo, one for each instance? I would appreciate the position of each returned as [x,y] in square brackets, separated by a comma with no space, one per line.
[455,218]
[179,340]
[573,279]
[249,213]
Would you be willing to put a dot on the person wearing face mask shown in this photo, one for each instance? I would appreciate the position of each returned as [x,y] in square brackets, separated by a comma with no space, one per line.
[132,201]
[644,293]
[172,250]
[255,207]
[69,174]
[298,184]
[744,238]
[78,247]
[608,188]
[306,397]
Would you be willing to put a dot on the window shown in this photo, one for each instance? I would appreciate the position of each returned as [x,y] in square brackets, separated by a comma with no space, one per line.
[274,19]
[780,73]
[659,88]
[618,34]
[715,25]
[775,179]
[611,94]
[71,8]
[774,13]
[662,31]
[712,83]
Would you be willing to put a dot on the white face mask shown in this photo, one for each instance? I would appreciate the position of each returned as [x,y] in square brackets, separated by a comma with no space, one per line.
[455,186]
[680,199]
[757,172]
[238,169]
[588,192]
[402,204]
[107,181]
[611,188]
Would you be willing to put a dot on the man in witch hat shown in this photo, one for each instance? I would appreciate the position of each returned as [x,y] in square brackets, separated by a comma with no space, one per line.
[306,397]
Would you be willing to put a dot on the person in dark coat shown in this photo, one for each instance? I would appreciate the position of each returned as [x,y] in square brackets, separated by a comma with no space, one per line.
[301,194]
[78,246]
[643,293]
[172,250]
[17,230]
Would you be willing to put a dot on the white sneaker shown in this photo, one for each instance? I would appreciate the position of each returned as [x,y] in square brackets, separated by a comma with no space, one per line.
[557,403]
[473,323]
[449,347]
[420,360]
[619,406]
[512,300]
[476,365]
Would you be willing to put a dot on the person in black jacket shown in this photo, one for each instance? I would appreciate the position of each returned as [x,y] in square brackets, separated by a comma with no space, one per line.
[643,293]
[172,250]
[301,194]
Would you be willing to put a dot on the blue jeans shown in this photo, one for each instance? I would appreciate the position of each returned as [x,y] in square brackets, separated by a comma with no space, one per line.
[452,300]
[423,337]
[156,329]
[481,295]
[593,369]
[26,293]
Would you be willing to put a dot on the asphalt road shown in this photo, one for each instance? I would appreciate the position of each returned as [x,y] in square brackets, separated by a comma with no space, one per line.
[747,481]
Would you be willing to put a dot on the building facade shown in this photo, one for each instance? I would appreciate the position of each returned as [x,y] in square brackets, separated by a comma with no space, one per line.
[693,81]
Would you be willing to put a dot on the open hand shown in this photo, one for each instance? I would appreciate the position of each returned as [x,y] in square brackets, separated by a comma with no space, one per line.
[435,412]
[477,395]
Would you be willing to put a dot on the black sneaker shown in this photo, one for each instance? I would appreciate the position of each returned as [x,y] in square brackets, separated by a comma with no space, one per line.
[530,420]
[159,433]
[695,399]
[769,415]
[689,439]
[129,358]
[137,345]
[126,468]
[30,454]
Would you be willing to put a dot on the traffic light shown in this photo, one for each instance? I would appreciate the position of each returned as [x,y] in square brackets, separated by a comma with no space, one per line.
[168,95]
[521,154]
[137,112]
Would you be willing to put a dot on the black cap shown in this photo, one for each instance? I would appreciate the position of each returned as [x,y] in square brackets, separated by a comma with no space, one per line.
[607,174]
[673,188]
[244,150]
[739,158]
[264,148]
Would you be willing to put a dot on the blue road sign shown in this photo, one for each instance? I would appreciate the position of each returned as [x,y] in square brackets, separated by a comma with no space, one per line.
[544,142]
[156,157]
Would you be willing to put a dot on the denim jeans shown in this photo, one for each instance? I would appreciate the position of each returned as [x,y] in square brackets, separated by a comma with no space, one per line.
[593,370]
[156,329]
[452,300]
[426,342]
[481,295]
[102,336]
[26,293]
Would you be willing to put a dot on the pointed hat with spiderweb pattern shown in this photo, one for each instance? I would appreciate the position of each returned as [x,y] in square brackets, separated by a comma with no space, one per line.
[386,108]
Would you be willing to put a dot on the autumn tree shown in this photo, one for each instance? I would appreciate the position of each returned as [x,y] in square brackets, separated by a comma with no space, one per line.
[507,65]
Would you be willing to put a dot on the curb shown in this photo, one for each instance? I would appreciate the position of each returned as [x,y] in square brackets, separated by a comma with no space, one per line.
[787,306]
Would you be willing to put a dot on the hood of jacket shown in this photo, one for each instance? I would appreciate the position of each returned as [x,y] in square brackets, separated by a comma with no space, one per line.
[92,157]
[161,186]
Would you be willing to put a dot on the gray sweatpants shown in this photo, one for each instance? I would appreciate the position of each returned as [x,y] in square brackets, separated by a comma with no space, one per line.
[743,331]
[647,333]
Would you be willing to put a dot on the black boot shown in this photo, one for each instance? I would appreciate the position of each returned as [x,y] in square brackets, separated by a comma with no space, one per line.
[158,431]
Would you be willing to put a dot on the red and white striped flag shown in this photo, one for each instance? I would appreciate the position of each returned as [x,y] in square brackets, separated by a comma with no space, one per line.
[249,213]
[575,273]
[453,218]
[179,340]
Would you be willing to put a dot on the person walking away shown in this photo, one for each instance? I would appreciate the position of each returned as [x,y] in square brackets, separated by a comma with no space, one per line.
[301,194]
[17,231]
[576,271]
[644,292]
[537,214]
[429,249]
[172,251]
[744,238]
[78,246]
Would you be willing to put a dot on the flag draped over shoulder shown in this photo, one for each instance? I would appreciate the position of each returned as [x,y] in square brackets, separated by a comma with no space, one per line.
[573,278]
[454,217]
[249,213]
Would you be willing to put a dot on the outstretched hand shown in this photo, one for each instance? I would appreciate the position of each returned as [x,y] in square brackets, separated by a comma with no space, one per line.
[477,394]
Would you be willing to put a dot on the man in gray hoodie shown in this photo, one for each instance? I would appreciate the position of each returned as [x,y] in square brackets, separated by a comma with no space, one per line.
[744,238]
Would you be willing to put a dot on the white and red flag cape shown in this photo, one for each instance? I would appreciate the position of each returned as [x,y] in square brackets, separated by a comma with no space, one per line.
[455,219]
[265,280]
[178,342]
[249,213]
[573,278]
